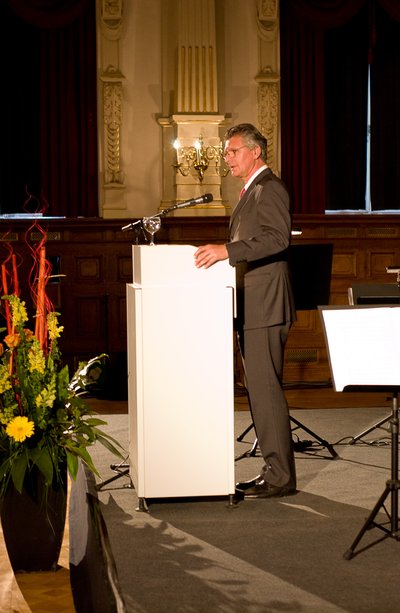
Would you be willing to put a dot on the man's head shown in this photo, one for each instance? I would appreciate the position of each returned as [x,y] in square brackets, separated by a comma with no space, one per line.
[245,150]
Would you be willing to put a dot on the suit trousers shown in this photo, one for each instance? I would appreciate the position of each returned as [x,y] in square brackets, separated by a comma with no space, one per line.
[263,361]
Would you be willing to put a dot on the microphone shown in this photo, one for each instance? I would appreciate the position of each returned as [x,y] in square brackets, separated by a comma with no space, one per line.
[200,200]
[131,226]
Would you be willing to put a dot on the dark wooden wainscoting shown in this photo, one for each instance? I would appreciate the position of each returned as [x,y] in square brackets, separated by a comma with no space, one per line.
[94,259]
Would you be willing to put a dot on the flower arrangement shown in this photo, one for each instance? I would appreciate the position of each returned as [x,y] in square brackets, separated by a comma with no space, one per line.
[43,420]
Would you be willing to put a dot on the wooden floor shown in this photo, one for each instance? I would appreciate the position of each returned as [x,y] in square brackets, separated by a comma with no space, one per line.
[51,593]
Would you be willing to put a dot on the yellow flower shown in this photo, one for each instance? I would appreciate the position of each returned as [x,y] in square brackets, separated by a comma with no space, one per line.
[7,413]
[18,308]
[47,397]
[20,428]
[36,358]
[5,383]
[54,331]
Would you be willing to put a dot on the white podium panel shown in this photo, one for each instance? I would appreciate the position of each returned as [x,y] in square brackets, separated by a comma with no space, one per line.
[180,374]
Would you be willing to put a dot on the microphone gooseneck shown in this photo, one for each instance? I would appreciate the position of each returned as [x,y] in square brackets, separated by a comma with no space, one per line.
[193,201]
[132,226]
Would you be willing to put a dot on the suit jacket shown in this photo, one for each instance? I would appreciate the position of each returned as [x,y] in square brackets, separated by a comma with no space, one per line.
[260,233]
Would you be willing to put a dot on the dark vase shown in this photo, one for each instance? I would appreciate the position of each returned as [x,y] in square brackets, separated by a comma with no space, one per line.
[33,523]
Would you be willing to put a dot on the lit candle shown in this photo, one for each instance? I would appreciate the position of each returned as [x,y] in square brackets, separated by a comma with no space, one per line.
[197,147]
[177,147]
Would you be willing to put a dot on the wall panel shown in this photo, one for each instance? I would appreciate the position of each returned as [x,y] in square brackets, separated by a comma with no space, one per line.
[95,258]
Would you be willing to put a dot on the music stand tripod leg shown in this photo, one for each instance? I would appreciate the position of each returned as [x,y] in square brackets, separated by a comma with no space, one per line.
[392,488]
[243,434]
[378,424]
[122,470]
[367,525]
[250,453]
[324,443]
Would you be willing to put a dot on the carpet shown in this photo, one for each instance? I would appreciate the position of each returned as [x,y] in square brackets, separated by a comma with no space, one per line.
[279,555]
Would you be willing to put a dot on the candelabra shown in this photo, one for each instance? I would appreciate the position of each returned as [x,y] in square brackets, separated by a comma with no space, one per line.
[197,158]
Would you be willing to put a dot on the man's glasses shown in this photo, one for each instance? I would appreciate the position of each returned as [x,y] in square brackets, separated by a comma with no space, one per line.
[231,153]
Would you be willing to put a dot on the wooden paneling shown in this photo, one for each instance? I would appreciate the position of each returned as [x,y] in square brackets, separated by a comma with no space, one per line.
[95,258]
[363,247]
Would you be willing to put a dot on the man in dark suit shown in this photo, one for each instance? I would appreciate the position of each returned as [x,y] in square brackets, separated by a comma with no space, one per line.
[260,232]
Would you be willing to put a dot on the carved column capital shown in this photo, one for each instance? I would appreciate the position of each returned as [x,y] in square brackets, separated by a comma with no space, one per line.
[111,18]
[267,13]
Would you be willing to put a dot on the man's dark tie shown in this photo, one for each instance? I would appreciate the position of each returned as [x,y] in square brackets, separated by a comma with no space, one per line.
[242,192]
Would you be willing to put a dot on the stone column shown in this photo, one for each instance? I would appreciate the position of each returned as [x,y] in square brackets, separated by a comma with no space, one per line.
[195,115]
[197,62]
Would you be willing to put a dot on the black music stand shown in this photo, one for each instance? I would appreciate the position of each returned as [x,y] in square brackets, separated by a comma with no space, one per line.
[311,269]
[373,294]
[350,332]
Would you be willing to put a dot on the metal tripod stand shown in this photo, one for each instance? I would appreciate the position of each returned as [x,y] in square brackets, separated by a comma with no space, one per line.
[391,489]
[377,424]
[253,450]
[121,470]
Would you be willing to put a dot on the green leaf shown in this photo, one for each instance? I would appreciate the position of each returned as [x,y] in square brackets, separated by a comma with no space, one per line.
[72,464]
[5,473]
[106,441]
[86,457]
[44,463]
[5,467]
[62,384]
[86,431]
[18,470]
[93,421]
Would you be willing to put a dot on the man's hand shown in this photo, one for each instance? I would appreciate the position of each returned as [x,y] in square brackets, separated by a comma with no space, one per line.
[207,255]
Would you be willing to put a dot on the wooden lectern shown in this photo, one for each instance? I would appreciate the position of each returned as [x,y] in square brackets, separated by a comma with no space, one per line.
[180,375]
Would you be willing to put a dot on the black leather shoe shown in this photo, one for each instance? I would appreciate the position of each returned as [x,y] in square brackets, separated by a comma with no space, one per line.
[244,485]
[263,489]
